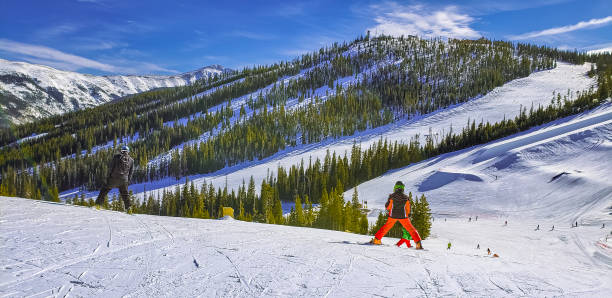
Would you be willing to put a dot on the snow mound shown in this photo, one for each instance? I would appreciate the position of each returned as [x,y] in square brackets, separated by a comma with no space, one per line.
[440,179]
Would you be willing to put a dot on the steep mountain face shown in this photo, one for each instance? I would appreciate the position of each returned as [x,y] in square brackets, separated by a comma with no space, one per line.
[30,91]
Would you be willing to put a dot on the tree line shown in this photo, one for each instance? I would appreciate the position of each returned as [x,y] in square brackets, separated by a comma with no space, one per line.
[432,74]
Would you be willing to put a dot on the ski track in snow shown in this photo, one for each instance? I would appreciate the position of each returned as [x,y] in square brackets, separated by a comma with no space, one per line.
[154,256]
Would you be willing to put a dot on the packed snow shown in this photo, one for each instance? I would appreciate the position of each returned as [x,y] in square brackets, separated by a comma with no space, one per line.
[105,253]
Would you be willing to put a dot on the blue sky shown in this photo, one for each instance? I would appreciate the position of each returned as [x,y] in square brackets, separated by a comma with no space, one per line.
[165,37]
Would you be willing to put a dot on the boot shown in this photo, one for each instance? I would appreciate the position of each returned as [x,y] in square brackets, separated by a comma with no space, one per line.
[418,245]
[375,241]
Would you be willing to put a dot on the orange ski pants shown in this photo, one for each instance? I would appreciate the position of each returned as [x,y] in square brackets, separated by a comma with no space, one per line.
[405,222]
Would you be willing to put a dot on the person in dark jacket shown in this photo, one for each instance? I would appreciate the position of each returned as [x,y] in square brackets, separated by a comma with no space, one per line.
[399,209]
[120,174]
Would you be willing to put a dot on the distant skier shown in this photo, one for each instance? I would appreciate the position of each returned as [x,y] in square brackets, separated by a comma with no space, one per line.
[576,224]
[476,217]
[488,251]
[553,228]
[405,238]
[470,220]
[537,228]
[478,246]
[120,174]
[399,209]
[603,225]
[506,223]
[448,246]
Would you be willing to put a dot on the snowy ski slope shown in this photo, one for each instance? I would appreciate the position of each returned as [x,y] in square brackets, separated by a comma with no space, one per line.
[60,250]
[559,173]
[556,174]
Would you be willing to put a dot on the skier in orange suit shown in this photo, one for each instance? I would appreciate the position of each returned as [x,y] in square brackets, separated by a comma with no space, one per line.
[398,206]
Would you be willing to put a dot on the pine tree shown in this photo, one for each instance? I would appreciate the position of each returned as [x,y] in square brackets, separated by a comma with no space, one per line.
[422,217]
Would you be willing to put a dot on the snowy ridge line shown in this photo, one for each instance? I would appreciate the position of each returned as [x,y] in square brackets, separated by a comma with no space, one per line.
[57,91]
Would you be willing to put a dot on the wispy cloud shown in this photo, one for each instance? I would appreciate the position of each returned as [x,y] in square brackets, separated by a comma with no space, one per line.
[52,32]
[394,19]
[252,35]
[592,23]
[93,44]
[61,60]
[52,55]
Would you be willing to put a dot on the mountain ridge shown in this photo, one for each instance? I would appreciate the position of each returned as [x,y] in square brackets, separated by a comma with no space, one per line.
[33,91]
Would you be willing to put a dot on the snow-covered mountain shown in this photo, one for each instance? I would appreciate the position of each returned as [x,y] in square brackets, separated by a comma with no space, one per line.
[501,103]
[31,91]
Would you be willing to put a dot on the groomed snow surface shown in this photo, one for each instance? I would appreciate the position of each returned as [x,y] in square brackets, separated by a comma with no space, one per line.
[58,250]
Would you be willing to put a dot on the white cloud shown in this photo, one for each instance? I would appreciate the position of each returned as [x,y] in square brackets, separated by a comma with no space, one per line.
[253,35]
[592,23]
[60,60]
[395,19]
[53,55]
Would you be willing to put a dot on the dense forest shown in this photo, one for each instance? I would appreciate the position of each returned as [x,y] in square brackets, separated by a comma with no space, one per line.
[394,78]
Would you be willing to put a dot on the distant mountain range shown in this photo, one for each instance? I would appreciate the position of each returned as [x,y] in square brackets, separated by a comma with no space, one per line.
[32,91]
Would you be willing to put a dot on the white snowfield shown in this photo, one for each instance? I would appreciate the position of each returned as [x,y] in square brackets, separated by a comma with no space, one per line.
[61,251]
[559,173]
[51,91]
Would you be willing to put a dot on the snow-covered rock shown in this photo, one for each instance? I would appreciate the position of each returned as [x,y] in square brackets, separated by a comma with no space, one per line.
[31,91]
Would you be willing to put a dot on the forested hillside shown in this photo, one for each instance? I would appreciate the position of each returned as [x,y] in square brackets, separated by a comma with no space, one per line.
[200,128]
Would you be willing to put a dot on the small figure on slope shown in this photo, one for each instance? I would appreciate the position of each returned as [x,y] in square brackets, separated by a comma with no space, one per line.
[120,174]
[537,228]
[399,209]
[448,246]
[488,251]
[405,238]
